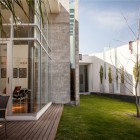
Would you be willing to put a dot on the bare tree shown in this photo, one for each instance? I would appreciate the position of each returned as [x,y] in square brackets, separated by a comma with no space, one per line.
[136,64]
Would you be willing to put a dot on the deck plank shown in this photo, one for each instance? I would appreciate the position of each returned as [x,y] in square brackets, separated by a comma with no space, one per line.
[44,128]
[41,125]
[33,130]
[45,124]
[55,125]
[46,132]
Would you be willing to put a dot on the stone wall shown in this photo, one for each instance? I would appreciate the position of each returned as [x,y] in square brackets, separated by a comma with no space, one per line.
[77,49]
[59,42]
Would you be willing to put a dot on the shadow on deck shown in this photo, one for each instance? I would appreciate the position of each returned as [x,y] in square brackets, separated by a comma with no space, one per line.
[43,129]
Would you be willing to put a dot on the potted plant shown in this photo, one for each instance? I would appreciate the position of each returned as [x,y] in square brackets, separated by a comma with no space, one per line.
[122,75]
[101,79]
[110,80]
[137,76]
[135,71]
[122,85]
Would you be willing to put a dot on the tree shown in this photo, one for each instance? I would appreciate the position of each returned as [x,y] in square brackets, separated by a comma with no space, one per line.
[101,74]
[136,54]
[122,74]
[110,75]
[9,5]
[135,71]
[136,61]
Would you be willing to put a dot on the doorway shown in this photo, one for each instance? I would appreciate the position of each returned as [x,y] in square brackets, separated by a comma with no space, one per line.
[83,78]
[5,70]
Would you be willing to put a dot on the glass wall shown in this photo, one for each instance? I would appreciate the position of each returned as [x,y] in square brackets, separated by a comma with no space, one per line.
[26,77]
[72,35]
[30,59]
[3,67]
[44,74]
[72,49]
[6,20]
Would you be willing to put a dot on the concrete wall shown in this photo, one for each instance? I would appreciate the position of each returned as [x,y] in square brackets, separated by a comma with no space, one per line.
[77,49]
[59,41]
[114,58]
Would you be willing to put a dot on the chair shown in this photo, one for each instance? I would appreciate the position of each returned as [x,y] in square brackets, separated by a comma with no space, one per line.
[3,106]
[16,92]
[23,93]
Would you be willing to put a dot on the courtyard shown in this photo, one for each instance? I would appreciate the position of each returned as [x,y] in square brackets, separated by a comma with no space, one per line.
[99,118]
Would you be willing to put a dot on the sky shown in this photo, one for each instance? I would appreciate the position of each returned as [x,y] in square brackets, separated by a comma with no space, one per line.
[107,23]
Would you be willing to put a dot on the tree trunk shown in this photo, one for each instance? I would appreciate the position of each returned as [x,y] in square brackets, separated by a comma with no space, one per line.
[137,103]
[137,108]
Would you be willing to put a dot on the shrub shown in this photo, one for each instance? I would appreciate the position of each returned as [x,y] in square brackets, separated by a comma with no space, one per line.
[110,75]
[101,74]
[122,74]
[135,71]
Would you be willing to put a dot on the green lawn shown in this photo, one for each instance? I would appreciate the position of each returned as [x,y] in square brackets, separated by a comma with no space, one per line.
[99,118]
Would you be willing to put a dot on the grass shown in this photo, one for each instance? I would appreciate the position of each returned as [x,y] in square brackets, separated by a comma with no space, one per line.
[99,118]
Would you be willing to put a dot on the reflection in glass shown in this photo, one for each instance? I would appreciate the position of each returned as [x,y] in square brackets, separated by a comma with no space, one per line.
[3,68]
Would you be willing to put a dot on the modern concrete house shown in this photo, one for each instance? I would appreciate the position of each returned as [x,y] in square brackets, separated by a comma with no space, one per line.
[37,59]
[115,58]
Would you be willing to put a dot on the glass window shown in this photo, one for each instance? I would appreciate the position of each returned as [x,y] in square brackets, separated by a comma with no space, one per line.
[6,32]
[44,74]
[71,28]
[26,73]
[3,68]
[20,14]
[71,20]
[6,15]
[26,31]
[49,79]
[71,16]
[71,10]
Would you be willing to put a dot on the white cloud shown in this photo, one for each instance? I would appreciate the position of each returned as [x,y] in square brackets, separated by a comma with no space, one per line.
[112,19]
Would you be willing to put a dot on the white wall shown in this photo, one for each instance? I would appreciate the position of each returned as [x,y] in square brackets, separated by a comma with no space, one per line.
[90,77]
[96,75]
[20,60]
[114,58]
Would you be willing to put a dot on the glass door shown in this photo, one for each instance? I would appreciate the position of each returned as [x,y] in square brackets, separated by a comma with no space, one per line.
[5,70]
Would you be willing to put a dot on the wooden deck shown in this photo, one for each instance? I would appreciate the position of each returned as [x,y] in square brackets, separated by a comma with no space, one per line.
[43,129]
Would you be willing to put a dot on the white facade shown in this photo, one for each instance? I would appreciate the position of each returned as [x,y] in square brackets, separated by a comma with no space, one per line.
[114,58]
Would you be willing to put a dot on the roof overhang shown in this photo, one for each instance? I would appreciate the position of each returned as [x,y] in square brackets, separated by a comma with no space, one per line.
[86,59]
[54,6]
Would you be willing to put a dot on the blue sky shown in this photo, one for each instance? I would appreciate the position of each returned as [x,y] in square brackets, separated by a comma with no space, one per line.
[102,23]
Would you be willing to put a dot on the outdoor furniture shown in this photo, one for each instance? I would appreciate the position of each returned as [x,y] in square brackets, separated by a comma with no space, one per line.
[23,93]
[3,106]
[16,92]
[20,93]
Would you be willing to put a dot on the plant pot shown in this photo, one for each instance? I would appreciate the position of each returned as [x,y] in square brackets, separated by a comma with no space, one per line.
[111,88]
[101,88]
[122,88]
